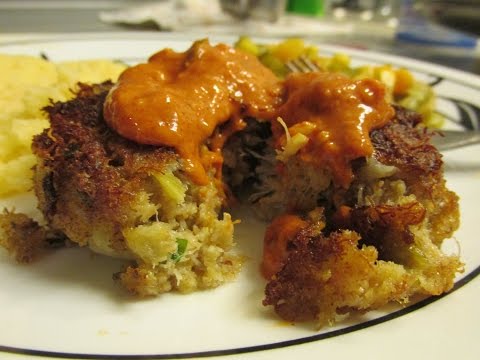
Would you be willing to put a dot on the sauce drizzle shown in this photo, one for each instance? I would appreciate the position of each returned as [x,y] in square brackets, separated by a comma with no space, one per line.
[181,100]
[178,99]
[342,111]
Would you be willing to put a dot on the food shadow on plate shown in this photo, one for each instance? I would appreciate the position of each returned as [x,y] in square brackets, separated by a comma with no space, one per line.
[68,270]
[78,270]
[249,240]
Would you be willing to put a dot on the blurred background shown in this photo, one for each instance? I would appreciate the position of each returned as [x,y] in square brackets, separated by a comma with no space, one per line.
[444,32]
[461,14]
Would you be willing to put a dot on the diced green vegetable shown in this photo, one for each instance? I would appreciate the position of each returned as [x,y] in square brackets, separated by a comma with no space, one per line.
[172,186]
[181,248]
[434,120]
[274,64]
[246,44]
[339,63]
[295,143]
[402,87]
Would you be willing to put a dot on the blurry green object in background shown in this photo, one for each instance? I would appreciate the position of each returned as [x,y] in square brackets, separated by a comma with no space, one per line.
[306,7]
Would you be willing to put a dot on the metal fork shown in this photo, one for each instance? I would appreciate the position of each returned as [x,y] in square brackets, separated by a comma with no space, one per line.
[441,139]
[454,139]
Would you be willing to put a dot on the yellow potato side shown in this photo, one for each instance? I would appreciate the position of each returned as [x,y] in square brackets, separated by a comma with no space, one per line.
[27,84]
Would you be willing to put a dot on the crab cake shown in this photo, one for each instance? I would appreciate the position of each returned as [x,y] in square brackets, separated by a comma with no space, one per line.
[377,241]
[128,200]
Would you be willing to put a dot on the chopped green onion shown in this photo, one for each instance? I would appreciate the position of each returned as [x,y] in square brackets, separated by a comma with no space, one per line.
[181,248]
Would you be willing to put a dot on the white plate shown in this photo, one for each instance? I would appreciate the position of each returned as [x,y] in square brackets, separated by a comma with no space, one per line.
[67,306]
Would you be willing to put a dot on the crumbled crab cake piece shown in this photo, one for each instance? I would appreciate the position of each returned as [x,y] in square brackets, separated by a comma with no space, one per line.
[376,242]
[329,273]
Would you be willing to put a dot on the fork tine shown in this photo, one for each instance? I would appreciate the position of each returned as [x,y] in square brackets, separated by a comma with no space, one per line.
[453,139]
[292,66]
[309,63]
[301,64]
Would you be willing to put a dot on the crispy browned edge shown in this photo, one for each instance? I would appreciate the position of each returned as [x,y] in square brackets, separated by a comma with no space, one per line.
[334,243]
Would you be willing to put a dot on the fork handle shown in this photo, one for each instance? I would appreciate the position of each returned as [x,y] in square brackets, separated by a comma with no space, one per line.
[454,139]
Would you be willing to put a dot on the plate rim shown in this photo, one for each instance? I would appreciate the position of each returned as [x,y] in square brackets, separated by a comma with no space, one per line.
[470,80]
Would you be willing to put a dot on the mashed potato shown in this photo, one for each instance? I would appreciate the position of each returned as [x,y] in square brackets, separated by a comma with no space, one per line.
[28,83]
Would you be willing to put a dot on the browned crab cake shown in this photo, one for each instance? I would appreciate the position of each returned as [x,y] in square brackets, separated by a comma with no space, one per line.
[128,200]
[377,241]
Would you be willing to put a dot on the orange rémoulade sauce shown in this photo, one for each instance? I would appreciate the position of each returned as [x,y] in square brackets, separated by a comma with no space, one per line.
[341,111]
[278,234]
[184,99]
[178,99]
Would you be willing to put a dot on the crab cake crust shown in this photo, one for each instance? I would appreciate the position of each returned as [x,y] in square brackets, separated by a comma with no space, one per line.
[381,240]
